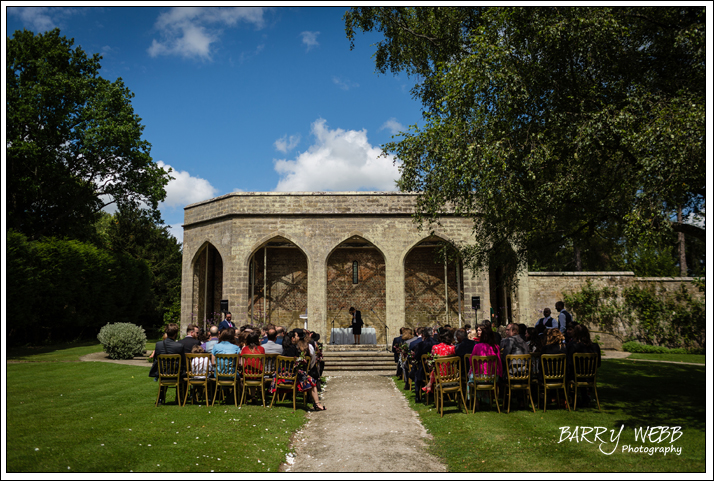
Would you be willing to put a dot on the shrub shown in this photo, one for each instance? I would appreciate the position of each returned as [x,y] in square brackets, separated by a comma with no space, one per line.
[633,346]
[122,340]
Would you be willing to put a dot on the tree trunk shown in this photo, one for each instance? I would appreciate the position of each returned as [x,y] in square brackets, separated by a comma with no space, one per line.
[682,251]
[578,260]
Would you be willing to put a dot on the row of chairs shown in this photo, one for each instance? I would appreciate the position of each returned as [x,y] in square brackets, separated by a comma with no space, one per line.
[231,371]
[449,377]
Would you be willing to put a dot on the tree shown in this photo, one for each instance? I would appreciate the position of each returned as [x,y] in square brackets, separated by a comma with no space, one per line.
[548,126]
[74,144]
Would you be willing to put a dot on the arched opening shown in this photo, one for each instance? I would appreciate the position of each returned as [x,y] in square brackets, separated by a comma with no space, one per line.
[433,279]
[207,286]
[502,280]
[356,278]
[277,284]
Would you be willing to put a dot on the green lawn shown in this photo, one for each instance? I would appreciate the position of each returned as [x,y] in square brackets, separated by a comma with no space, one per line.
[634,394]
[100,417]
[695,358]
[59,352]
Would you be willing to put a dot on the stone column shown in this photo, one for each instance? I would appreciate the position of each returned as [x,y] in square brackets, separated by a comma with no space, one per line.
[394,279]
[317,296]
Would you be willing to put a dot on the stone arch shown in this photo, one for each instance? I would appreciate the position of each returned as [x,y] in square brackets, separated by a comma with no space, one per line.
[277,285]
[368,294]
[432,293]
[354,235]
[207,290]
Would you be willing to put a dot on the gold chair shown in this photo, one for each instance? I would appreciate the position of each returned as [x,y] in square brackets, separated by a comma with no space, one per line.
[226,370]
[198,371]
[518,370]
[465,373]
[427,375]
[286,378]
[169,375]
[585,371]
[269,369]
[447,372]
[553,368]
[485,377]
[253,372]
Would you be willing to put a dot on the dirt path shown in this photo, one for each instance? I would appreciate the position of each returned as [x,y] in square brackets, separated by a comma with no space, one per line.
[368,427]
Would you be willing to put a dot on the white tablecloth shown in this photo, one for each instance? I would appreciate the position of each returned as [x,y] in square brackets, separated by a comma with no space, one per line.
[345,336]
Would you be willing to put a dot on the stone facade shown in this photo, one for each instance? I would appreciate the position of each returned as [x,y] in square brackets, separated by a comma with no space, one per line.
[312,240]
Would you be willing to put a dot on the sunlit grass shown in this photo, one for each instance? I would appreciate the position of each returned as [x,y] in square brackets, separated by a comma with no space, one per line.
[695,358]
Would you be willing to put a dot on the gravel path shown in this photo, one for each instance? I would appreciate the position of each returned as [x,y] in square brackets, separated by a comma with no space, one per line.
[367,427]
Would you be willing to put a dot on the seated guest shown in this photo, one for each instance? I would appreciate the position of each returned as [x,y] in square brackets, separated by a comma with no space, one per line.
[570,332]
[467,327]
[581,344]
[487,347]
[225,346]
[444,348]
[512,343]
[463,346]
[395,343]
[533,340]
[420,347]
[270,346]
[487,323]
[522,331]
[199,365]
[555,342]
[281,334]
[191,338]
[413,343]
[252,346]
[305,382]
[289,348]
[167,346]
[212,340]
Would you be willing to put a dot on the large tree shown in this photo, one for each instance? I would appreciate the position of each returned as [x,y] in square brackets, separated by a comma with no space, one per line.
[74,144]
[551,125]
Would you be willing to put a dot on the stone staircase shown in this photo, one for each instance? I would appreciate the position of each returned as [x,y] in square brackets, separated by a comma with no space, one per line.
[342,358]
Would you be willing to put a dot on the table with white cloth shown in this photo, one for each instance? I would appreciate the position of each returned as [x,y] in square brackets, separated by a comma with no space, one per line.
[344,336]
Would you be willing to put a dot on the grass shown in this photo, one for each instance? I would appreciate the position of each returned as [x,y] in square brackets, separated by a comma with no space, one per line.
[58,352]
[100,417]
[631,394]
[695,358]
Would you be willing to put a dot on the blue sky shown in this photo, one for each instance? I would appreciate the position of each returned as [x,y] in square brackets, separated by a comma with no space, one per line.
[245,99]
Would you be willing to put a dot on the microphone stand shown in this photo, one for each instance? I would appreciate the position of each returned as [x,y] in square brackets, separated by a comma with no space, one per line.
[332,340]
[386,328]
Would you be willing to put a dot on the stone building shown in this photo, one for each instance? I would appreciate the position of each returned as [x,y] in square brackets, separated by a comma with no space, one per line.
[278,256]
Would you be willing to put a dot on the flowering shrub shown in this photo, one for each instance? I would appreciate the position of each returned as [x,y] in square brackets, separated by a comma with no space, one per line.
[122,340]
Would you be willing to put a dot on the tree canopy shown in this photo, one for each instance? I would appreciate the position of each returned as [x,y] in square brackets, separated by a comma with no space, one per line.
[74,143]
[549,125]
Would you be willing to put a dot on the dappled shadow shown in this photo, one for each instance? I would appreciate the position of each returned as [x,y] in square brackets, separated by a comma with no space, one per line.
[25,351]
[652,394]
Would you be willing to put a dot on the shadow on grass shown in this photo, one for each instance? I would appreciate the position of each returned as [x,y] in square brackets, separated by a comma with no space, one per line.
[654,394]
[25,351]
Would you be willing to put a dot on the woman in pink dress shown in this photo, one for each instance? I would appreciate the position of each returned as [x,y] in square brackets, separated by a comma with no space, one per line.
[444,348]
[487,347]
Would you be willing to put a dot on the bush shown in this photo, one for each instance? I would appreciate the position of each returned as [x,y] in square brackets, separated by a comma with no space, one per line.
[633,346]
[122,340]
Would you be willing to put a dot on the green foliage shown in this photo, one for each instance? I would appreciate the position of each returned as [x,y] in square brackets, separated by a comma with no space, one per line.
[633,346]
[549,126]
[62,289]
[122,340]
[657,317]
[73,141]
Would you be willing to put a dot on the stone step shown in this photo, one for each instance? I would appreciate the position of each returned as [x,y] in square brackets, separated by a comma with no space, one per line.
[364,360]
[354,348]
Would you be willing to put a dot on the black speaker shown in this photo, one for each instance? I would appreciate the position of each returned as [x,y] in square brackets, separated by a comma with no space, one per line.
[476,302]
[224,305]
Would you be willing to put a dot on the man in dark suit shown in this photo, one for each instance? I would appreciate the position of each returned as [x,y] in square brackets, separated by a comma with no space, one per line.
[464,345]
[424,347]
[396,342]
[167,346]
[191,338]
[226,323]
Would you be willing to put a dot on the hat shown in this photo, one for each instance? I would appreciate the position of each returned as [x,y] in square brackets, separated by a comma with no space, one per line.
[315,336]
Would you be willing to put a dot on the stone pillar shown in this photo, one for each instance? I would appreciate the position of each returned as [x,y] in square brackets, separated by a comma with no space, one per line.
[395,302]
[317,296]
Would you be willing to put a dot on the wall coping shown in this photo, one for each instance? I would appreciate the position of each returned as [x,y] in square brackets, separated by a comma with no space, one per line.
[583,274]
[302,194]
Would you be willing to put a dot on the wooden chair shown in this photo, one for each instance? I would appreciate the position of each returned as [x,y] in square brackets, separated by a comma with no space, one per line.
[465,373]
[485,377]
[406,367]
[269,370]
[198,371]
[447,372]
[169,375]
[585,371]
[286,378]
[553,368]
[226,370]
[427,374]
[253,372]
[518,370]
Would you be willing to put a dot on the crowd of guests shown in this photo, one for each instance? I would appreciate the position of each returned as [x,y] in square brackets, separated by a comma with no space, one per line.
[549,335]
[247,339]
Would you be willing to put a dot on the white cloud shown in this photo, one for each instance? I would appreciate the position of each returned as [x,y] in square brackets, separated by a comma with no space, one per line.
[310,39]
[190,31]
[185,189]
[40,19]
[339,160]
[393,126]
[344,84]
[177,231]
[285,143]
